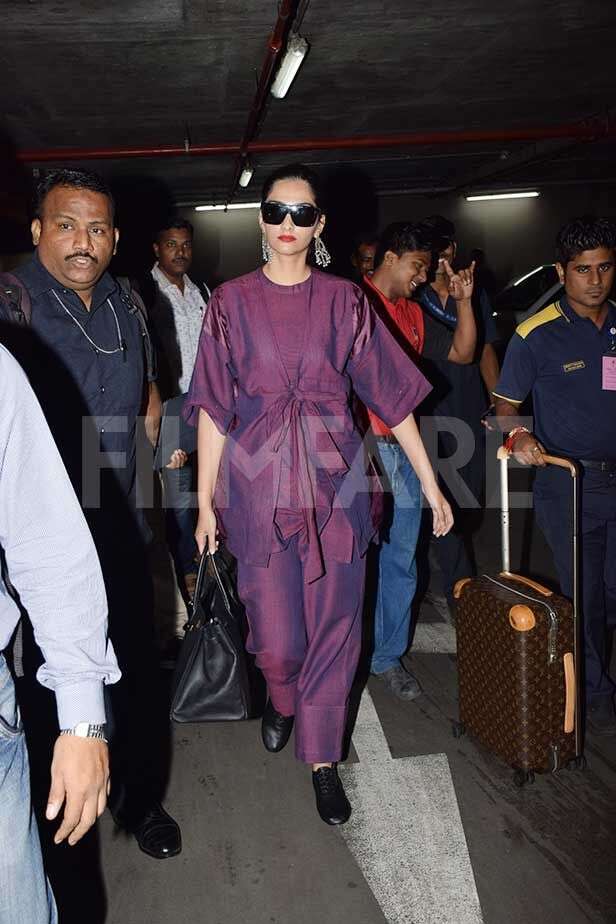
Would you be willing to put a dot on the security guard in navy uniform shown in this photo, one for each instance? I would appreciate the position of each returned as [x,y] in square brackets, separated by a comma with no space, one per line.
[87,364]
[565,356]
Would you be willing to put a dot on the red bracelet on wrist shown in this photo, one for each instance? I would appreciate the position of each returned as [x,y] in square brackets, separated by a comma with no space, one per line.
[511,436]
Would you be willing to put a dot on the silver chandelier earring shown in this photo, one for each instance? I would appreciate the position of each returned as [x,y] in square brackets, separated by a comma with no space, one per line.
[266,250]
[321,253]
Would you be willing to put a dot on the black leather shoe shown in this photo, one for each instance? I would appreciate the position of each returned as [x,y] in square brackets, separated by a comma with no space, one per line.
[275,728]
[157,834]
[332,803]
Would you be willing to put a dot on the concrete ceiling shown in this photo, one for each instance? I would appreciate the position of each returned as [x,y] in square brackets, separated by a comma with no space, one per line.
[143,73]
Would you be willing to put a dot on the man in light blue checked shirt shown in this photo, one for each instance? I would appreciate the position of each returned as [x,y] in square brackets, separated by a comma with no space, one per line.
[51,561]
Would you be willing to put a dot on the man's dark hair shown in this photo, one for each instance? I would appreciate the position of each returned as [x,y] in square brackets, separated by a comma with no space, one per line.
[173,221]
[294,172]
[364,237]
[440,230]
[74,179]
[401,237]
[585,233]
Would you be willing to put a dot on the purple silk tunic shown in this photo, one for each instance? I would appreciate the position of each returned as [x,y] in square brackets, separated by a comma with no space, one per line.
[241,381]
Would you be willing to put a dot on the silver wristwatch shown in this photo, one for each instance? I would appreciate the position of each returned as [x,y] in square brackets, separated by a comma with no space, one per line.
[85,730]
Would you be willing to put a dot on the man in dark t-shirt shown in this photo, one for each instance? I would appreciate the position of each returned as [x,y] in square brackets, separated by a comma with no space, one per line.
[462,395]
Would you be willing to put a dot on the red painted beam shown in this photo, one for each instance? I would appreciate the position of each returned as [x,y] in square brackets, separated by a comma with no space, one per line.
[590,130]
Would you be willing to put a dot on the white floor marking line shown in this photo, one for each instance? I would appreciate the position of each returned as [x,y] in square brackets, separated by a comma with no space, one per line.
[434,638]
[406,833]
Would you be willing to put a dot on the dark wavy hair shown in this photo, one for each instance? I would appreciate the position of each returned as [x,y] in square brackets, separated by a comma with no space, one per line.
[402,237]
[74,179]
[585,233]
[440,230]
[295,172]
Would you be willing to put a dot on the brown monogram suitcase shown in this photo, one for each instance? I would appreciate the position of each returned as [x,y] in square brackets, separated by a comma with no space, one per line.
[518,675]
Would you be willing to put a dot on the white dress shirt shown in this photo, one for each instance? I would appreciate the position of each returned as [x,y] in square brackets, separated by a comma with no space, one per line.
[50,558]
[188,310]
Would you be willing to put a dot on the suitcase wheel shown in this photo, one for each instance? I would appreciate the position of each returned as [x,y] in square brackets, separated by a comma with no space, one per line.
[522,777]
[458,729]
[577,763]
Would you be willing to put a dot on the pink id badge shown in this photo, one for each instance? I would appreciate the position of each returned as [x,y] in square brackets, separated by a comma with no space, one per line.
[609,373]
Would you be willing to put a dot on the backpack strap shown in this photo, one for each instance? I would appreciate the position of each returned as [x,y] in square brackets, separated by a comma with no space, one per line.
[135,306]
[15,299]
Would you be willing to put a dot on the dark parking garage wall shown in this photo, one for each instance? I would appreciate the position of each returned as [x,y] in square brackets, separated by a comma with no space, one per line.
[516,235]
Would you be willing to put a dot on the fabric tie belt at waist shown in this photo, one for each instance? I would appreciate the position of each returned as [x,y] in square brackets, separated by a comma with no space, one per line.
[289,413]
[596,465]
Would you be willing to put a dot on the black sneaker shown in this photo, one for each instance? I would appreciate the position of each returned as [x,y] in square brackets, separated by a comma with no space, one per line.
[275,728]
[401,683]
[332,803]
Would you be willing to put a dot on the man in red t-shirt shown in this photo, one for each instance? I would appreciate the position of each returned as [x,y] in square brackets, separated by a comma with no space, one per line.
[401,263]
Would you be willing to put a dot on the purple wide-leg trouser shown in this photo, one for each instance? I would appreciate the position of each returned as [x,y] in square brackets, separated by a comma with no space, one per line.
[306,639]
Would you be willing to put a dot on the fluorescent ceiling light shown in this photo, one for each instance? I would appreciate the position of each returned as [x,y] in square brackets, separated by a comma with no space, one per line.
[225,208]
[512,195]
[246,176]
[297,48]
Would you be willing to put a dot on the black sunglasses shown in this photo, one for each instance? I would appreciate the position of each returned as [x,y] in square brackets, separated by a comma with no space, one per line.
[303,215]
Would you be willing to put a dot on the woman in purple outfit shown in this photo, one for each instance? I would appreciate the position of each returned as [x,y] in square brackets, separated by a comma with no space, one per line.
[282,468]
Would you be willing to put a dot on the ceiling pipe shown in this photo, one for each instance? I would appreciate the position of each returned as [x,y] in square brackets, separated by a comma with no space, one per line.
[275,45]
[590,130]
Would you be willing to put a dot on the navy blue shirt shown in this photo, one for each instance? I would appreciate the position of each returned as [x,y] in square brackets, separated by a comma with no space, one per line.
[91,398]
[459,391]
[557,356]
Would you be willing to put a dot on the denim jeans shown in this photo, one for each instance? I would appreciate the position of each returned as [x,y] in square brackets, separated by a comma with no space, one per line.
[397,568]
[180,515]
[25,894]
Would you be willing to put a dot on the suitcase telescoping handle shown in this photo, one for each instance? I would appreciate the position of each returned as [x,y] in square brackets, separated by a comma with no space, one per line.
[574,471]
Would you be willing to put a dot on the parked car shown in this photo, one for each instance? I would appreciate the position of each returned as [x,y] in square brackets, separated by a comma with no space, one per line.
[524,296]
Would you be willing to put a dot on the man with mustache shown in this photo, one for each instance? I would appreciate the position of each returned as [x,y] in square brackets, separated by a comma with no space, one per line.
[88,366]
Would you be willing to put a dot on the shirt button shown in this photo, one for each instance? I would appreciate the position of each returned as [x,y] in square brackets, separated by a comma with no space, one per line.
[102,388]
[102,429]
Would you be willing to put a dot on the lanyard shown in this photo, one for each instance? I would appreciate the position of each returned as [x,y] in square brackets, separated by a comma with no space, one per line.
[121,347]
[433,305]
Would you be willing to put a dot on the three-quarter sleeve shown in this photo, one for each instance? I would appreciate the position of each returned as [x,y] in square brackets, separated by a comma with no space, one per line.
[212,386]
[384,377]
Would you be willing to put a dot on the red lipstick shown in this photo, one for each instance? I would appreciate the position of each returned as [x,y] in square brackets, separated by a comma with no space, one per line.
[287,238]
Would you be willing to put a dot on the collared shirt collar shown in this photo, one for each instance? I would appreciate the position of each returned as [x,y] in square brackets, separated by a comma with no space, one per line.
[570,315]
[165,283]
[37,279]
[392,306]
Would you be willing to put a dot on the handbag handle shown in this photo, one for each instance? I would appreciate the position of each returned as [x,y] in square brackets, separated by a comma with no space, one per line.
[201,575]
[219,581]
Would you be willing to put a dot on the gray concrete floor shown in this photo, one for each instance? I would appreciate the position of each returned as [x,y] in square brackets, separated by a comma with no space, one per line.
[255,850]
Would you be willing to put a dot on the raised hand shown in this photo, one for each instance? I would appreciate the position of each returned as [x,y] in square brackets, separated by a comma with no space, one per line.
[461,284]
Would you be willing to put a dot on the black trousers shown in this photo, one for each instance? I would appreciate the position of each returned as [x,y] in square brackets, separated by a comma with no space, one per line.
[137,706]
[552,493]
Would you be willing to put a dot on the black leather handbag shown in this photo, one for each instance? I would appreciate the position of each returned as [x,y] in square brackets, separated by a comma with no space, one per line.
[215,680]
